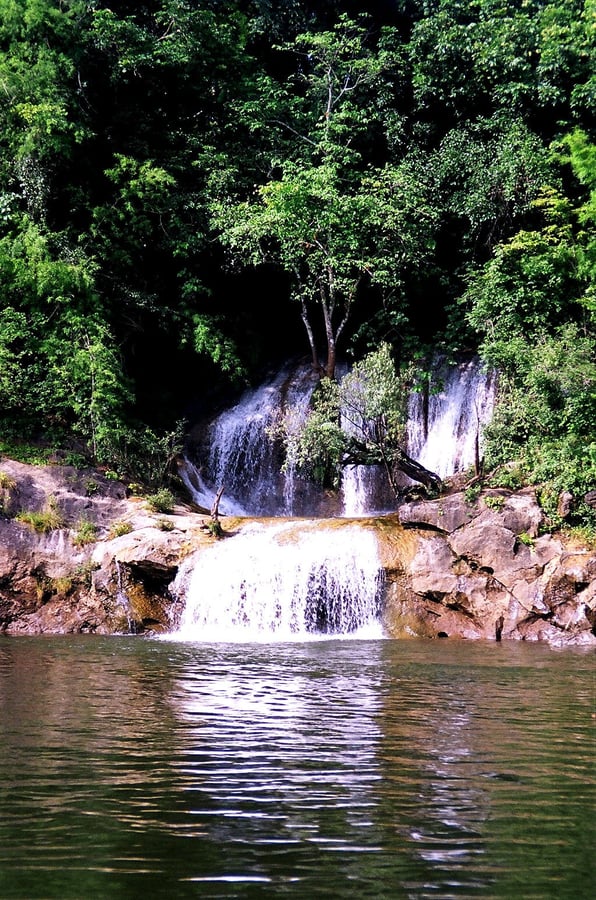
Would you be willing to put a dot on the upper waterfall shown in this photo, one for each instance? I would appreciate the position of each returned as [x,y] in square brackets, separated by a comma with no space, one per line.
[236,450]
[445,424]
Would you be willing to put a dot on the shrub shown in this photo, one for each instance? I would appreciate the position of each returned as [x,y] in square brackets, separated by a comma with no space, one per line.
[91,487]
[62,585]
[165,525]
[119,528]
[161,502]
[7,486]
[472,493]
[7,483]
[86,533]
[84,573]
[494,502]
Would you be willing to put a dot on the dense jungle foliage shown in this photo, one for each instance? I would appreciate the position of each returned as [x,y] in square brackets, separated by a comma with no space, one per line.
[191,191]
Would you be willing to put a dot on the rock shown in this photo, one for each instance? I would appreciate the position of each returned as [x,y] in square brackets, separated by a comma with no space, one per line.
[445,515]
[456,570]
[564,504]
[521,514]
[485,545]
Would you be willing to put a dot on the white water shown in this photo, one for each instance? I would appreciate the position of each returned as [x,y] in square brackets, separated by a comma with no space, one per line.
[240,454]
[300,581]
[443,438]
[283,582]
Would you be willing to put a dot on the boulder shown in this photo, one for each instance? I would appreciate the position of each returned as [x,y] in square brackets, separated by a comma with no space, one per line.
[445,515]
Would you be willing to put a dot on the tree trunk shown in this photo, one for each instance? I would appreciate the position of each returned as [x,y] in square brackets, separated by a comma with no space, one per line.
[396,458]
[215,525]
[417,472]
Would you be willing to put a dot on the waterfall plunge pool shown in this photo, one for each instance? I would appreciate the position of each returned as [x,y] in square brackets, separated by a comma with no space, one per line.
[135,768]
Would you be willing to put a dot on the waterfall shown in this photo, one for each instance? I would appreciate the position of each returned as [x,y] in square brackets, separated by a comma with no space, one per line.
[445,424]
[283,581]
[236,449]
[238,452]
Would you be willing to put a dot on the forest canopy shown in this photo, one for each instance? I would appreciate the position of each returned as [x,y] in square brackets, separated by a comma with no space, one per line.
[191,191]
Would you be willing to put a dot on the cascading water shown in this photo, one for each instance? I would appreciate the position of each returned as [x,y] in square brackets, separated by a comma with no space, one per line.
[283,581]
[237,451]
[445,425]
[291,580]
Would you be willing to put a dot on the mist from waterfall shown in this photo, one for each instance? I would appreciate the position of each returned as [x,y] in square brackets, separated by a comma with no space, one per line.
[282,582]
[237,451]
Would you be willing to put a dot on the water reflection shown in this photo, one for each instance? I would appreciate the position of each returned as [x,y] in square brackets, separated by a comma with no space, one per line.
[281,754]
[136,768]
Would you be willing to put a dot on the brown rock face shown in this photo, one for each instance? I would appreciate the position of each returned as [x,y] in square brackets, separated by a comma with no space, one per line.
[453,569]
[490,575]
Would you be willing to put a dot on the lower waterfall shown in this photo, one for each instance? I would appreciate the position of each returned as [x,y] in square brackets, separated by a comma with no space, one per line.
[281,582]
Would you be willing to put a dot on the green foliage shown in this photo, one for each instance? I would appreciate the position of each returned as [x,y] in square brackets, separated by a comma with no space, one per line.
[162,501]
[146,456]
[86,533]
[493,502]
[58,365]
[26,453]
[472,493]
[332,226]
[315,445]
[165,524]
[7,493]
[83,573]
[584,535]
[43,521]
[488,173]
[119,528]
[532,304]
[359,419]
[7,482]
[91,487]
[210,340]
[373,166]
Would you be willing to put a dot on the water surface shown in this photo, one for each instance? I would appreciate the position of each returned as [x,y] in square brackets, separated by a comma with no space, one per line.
[134,768]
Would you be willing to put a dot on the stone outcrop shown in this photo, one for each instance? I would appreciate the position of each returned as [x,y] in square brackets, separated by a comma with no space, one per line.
[454,568]
[482,569]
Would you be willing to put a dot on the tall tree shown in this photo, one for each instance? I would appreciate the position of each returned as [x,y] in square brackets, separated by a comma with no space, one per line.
[332,222]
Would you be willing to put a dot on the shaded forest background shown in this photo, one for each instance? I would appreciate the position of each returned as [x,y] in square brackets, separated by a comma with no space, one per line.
[184,186]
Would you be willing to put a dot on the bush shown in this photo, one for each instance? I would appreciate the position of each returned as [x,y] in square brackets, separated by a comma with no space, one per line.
[162,501]
[86,533]
[119,528]
[165,525]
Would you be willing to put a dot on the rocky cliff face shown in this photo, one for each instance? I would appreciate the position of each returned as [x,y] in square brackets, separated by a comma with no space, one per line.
[485,570]
[454,569]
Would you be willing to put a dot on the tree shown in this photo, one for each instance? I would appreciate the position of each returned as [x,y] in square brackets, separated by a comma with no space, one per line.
[533,303]
[359,421]
[60,370]
[333,224]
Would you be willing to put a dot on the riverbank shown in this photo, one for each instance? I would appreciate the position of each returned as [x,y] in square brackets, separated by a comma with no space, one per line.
[80,554]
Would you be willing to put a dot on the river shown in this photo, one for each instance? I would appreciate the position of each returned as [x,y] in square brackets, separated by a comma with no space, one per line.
[145,768]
